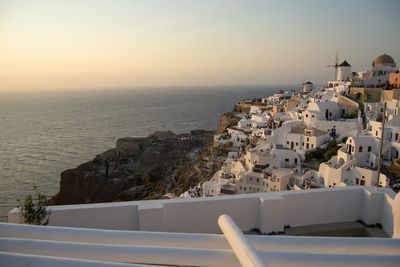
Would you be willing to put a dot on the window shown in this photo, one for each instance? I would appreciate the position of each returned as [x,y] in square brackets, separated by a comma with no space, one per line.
[376,133]
[295,161]
[306,115]
[312,145]
[369,148]
[308,139]
[287,142]
[397,137]
[360,149]
[297,144]
[258,180]
[251,179]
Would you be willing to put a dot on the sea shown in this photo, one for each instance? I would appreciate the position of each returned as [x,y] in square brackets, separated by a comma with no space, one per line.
[43,133]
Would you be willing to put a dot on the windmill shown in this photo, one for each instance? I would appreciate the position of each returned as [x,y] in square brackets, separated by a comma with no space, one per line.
[336,65]
[307,86]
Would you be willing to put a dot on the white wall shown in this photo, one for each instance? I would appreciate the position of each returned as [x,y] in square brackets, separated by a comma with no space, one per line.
[266,211]
[118,217]
[342,127]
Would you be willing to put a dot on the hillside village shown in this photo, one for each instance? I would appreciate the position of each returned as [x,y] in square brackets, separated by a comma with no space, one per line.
[319,137]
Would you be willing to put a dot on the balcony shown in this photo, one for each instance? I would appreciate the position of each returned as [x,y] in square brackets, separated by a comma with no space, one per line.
[185,232]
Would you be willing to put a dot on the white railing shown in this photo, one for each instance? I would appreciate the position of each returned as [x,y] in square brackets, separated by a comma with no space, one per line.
[244,251]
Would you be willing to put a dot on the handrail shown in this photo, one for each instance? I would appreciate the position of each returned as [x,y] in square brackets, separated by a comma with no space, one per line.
[244,251]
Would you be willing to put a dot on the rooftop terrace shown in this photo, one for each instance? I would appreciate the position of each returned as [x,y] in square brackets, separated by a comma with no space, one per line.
[187,232]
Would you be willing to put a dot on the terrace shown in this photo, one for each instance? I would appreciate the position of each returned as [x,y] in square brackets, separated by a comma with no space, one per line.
[187,232]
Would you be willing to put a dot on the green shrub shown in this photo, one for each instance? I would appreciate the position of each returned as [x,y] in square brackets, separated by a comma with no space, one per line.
[323,154]
[33,209]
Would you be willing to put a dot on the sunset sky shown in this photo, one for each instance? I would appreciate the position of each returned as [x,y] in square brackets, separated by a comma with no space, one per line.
[75,44]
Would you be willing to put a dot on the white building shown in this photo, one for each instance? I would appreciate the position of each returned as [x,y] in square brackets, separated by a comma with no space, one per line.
[355,164]
[305,138]
[260,120]
[321,110]
[391,148]
[344,72]
[307,87]
[382,66]
[278,180]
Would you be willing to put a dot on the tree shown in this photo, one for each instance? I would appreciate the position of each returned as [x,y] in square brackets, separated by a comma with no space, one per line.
[33,209]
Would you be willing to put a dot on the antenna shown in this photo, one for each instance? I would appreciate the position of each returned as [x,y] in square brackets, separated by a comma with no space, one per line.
[336,64]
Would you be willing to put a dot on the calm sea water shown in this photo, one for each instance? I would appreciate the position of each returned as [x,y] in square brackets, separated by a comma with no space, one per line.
[43,134]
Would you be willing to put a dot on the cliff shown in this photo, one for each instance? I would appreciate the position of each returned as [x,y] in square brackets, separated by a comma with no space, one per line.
[227,119]
[144,168]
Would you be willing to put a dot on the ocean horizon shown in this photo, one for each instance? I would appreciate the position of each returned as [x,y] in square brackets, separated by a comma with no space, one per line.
[45,133]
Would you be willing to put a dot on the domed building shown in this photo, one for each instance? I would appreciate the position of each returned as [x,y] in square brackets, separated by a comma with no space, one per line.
[372,85]
[384,60]
[382,66]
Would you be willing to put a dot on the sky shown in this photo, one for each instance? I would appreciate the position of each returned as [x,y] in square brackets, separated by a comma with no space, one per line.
[77,44]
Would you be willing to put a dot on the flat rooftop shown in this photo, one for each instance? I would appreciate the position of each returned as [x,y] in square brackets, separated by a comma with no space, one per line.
[342,229]
[300,130]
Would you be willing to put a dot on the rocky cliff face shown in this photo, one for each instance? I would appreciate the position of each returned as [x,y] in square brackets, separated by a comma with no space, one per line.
[137,168]
[145,168]
[227,119]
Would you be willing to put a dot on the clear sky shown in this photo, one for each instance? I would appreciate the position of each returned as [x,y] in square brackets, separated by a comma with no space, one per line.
[52,44]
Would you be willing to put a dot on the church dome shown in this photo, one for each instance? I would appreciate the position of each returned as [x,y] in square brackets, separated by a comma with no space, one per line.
[384,60]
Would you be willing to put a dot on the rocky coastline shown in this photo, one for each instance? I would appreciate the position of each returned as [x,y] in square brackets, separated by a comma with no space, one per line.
[160,165]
